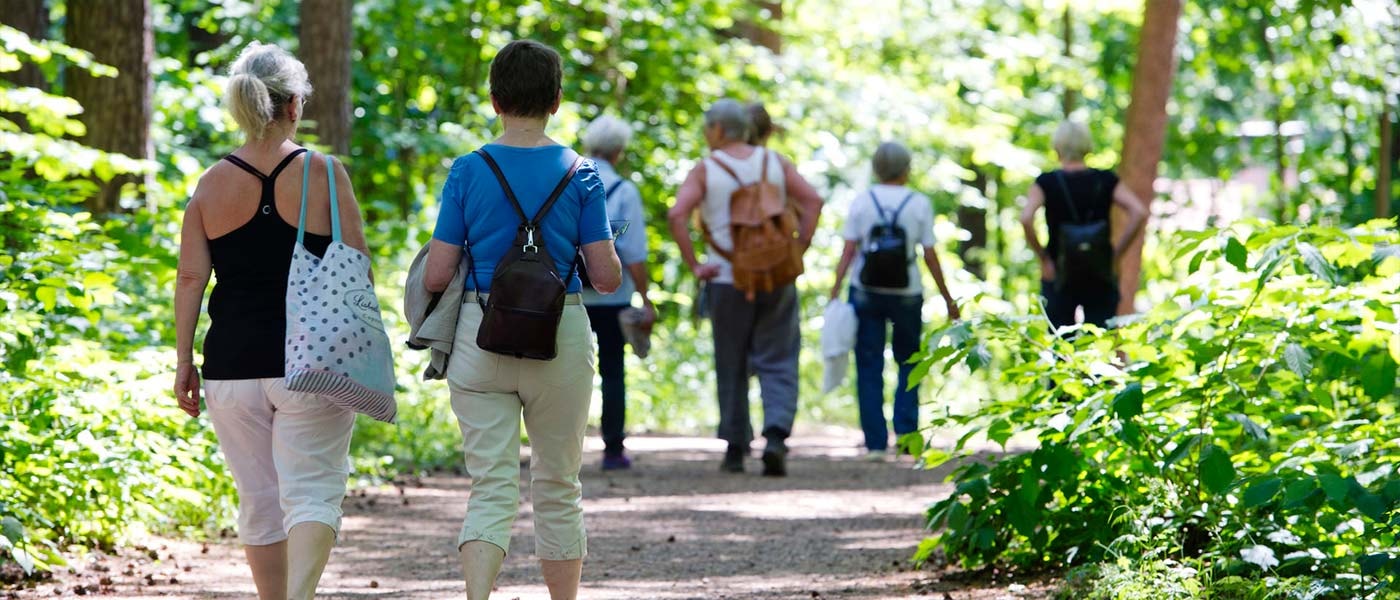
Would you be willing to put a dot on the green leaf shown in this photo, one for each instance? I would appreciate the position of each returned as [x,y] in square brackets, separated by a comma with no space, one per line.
[1000,432]
[1196,260]
[1182,448]
[1216,470]
[1335,487]
[1236,254]
[1254,430]
[1371,563]
[1262,492]
[1378,375]
[979,357]
[1372,506]
[1317,263]
[1297,491]
[1128,402]
[1297,359]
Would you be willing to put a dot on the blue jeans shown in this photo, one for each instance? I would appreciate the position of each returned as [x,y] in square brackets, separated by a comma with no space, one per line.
[611,353]
[875,313]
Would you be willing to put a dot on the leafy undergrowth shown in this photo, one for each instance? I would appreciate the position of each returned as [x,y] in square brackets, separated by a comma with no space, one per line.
[1243,431]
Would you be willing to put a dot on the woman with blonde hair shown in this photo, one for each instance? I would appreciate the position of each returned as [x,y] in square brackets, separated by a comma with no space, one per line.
[288,451]
[1078,264]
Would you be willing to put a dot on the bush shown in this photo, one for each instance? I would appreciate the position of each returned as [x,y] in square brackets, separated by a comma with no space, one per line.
[1244,424]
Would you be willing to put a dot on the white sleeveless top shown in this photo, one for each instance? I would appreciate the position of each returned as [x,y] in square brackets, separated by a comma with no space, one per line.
[718,187]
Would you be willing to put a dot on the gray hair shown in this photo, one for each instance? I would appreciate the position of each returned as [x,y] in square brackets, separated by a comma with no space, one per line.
[731,117]
[606,136]
[1072,140]
[261,83]
[891,161]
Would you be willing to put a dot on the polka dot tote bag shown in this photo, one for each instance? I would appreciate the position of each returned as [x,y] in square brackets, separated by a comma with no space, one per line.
[336,345]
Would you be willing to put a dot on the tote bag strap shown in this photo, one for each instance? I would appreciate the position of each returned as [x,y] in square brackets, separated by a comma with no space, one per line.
[335,209]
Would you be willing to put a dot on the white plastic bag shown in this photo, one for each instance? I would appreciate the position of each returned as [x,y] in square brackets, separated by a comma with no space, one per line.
[838,340]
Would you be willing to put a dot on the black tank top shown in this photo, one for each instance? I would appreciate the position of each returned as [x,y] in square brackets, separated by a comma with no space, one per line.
[248,308]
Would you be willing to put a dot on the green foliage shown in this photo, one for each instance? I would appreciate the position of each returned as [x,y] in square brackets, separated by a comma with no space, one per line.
[1245,429]
[87,455]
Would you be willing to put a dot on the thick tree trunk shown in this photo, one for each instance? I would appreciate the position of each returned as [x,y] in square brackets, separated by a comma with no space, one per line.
[1147,124]
[1383,167]
[116,110]
[974,220]
[326,44]
[31,17]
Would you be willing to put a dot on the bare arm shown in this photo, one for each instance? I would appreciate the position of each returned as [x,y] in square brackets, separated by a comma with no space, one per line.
[1127,201]
[808,201]
[1035,199]
[688,198]
[848,254]
[936,269]
[191,279]
[441,267]
[604,268]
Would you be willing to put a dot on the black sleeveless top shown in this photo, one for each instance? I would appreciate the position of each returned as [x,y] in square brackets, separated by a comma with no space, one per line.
[1092,194]
[248,308]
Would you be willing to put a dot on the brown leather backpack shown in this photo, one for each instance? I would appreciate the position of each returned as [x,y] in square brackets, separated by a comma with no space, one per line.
[521,316]
[763,226]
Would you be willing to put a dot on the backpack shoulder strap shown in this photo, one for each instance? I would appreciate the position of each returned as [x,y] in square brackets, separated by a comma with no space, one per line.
[505,185]
[879,210]
[613,188]
[726,168]
[558,191]
[1069,199]
[902,203]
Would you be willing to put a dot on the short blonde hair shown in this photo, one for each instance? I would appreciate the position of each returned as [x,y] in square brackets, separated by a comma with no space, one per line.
[606,137]
[262,82]
[1072,140]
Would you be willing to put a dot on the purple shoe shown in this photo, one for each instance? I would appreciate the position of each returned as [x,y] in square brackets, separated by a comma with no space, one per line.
[617,462]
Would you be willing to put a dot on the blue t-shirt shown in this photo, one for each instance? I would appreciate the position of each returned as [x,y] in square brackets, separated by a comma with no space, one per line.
[474,208]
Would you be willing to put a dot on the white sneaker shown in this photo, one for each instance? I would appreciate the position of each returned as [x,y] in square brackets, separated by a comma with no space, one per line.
[876,456]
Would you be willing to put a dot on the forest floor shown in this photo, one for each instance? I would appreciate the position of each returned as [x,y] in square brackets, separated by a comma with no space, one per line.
[671,528]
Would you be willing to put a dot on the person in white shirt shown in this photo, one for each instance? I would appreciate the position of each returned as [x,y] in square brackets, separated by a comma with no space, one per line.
[604,141]
[886,225]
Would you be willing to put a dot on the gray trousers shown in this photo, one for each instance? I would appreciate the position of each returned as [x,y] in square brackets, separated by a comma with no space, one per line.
[759,337]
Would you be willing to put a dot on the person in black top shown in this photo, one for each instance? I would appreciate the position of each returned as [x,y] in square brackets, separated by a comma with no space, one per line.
[288,451]
[1078,200]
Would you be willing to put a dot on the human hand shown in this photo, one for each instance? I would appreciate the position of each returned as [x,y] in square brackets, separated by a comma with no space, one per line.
[187,388]
[648,315]
[705,271]
[1047,269]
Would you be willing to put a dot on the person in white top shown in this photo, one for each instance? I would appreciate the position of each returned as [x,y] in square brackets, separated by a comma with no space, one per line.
[887,223]
[760,334]
[604,141]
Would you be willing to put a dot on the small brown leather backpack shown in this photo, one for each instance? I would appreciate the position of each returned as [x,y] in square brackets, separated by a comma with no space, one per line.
[763,226]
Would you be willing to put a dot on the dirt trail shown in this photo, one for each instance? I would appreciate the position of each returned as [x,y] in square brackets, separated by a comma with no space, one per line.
[673,527]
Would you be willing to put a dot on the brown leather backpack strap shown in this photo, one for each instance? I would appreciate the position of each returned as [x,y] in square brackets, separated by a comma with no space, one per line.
[710,241]
[727,169]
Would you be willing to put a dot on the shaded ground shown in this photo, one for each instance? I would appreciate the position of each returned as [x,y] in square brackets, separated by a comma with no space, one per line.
[673,527]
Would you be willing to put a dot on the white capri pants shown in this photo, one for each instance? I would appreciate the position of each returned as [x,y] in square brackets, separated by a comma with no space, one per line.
[288,451]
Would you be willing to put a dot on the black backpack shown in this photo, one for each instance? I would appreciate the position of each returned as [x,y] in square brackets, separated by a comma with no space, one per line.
[521,316]
[886,250]
[1085,248]
[582,266]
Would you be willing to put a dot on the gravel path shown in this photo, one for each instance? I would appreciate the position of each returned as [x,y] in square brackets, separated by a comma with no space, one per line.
[672,528]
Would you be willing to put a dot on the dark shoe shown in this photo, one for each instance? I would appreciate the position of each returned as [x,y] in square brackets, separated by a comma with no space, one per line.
[775,459]
[616,462]
[733,460]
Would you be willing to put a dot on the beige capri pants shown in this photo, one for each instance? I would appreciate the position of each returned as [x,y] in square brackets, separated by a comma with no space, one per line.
[288,451]
[490,392]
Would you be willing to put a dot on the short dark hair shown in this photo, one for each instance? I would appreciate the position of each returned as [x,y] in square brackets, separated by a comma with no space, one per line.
[761,125]
[526,77]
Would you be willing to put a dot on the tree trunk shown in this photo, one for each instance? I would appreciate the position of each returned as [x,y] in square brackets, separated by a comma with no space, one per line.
[326,38]
[1147,125]
[1070,97]
[974,220]
[1387,150]
[116,110]
[31,17]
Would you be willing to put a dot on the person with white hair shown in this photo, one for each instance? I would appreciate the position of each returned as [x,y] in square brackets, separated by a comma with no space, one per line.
[887,223]
[605,141]
[1078,265]
[757,331]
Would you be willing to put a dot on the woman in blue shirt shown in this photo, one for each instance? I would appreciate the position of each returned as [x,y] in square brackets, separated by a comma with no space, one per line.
[491,391]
